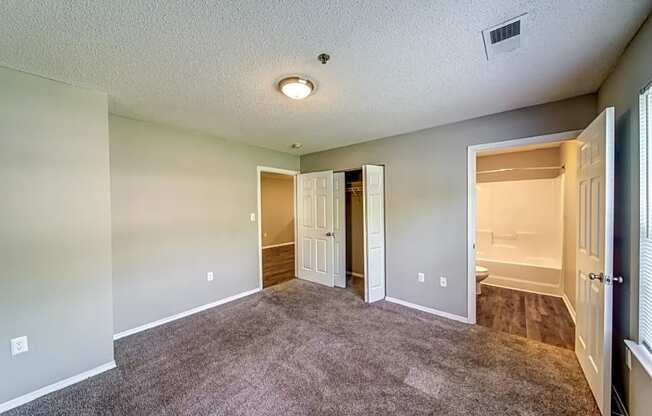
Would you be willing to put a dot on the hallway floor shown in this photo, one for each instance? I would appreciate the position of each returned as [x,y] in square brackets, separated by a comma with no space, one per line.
[299,348]
[530,315]
[278,265]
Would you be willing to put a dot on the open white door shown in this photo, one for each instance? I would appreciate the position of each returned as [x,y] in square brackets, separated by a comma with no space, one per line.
[374,232]
[315,227]
[339,230]
[595,255]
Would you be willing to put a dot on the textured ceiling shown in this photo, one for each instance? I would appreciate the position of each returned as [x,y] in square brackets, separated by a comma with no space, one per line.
[396,66]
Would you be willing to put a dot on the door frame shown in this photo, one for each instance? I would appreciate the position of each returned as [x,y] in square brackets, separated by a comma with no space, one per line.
[293,173]
[473,150]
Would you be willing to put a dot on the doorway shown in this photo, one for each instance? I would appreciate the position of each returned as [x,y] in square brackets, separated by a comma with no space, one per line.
[276,226]
[593,250]
[526,206]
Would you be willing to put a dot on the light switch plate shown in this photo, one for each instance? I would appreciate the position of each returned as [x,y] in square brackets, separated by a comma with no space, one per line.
[209,276]
[19,345]
[421,277]
[252,217]
[443,281]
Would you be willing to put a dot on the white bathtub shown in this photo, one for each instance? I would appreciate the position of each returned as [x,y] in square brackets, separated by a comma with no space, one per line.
[536,274]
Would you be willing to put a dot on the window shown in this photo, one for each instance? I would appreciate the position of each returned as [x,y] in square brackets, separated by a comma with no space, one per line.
[645,265]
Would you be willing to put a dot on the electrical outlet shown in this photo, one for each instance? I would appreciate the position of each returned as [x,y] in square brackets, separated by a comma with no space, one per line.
[443,281]
[19,345]
[209,276]
[252,217]
[421,277]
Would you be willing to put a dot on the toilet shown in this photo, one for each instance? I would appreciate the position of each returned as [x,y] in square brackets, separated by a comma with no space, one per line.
[481,273]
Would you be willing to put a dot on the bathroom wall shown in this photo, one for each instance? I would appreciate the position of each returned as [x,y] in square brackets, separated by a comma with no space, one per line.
[569,160]
[519,159]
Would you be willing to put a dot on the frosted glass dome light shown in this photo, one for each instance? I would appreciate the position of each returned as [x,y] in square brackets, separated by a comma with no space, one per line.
[296,88]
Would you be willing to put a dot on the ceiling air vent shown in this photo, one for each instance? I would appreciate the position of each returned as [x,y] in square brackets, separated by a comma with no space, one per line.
[505,37]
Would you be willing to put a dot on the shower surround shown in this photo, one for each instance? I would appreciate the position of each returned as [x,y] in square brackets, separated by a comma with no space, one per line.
[520,233]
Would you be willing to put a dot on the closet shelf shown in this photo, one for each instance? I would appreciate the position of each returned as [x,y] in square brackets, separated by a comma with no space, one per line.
[521,169]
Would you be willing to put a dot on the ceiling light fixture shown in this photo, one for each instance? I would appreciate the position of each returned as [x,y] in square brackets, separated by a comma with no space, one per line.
[296,88]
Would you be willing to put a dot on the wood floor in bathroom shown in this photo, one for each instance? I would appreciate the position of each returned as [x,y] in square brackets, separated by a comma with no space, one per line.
[538,317]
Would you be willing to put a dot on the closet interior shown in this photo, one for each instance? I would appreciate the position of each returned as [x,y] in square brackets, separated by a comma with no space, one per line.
[354,232]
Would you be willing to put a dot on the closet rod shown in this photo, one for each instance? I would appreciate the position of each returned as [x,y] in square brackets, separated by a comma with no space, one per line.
[513,169]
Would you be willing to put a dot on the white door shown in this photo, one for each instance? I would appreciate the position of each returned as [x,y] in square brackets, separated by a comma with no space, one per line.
[595,255]
[339,229]
[374,232]
[315,227]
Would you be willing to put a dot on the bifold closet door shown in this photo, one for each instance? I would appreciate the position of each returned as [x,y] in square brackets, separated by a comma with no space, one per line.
[315,227]
[339,229]
[374,232]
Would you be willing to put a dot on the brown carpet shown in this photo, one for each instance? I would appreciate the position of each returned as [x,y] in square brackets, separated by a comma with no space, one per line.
[302,349]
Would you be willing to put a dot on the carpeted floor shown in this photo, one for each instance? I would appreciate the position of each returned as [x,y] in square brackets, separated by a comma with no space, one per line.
[302,349]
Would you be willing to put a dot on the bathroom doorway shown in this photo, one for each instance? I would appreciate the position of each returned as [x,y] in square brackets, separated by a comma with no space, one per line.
[525,209]
[521,248]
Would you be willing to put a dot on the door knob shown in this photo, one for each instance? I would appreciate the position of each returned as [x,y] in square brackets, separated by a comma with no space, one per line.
[596,276]
[605,279]
[615,279]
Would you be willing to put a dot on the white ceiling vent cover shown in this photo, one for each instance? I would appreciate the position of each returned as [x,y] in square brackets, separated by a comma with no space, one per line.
[505,37]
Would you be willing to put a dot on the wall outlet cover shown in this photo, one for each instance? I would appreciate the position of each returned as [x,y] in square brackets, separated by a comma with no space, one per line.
[209,276]
[19,345]
[252,217]
[421,277]
[443,281]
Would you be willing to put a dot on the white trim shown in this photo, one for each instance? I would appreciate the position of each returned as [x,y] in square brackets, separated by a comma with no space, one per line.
[183,314]
[470,211]
[523,285]
[571,310]
[355,274]
[642,354]
[259,170]
[428,310]
[291,243]
[26,398]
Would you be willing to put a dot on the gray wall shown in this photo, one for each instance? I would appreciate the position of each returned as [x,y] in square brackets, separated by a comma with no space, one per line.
[180,208]
[621,89]
[426,188]
[55,231]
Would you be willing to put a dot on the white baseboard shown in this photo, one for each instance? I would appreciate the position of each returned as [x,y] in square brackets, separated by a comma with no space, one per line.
[26,398]
[428,310]
[355,274]
[183,314]
[571,311]
[291,243]
[523,286]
